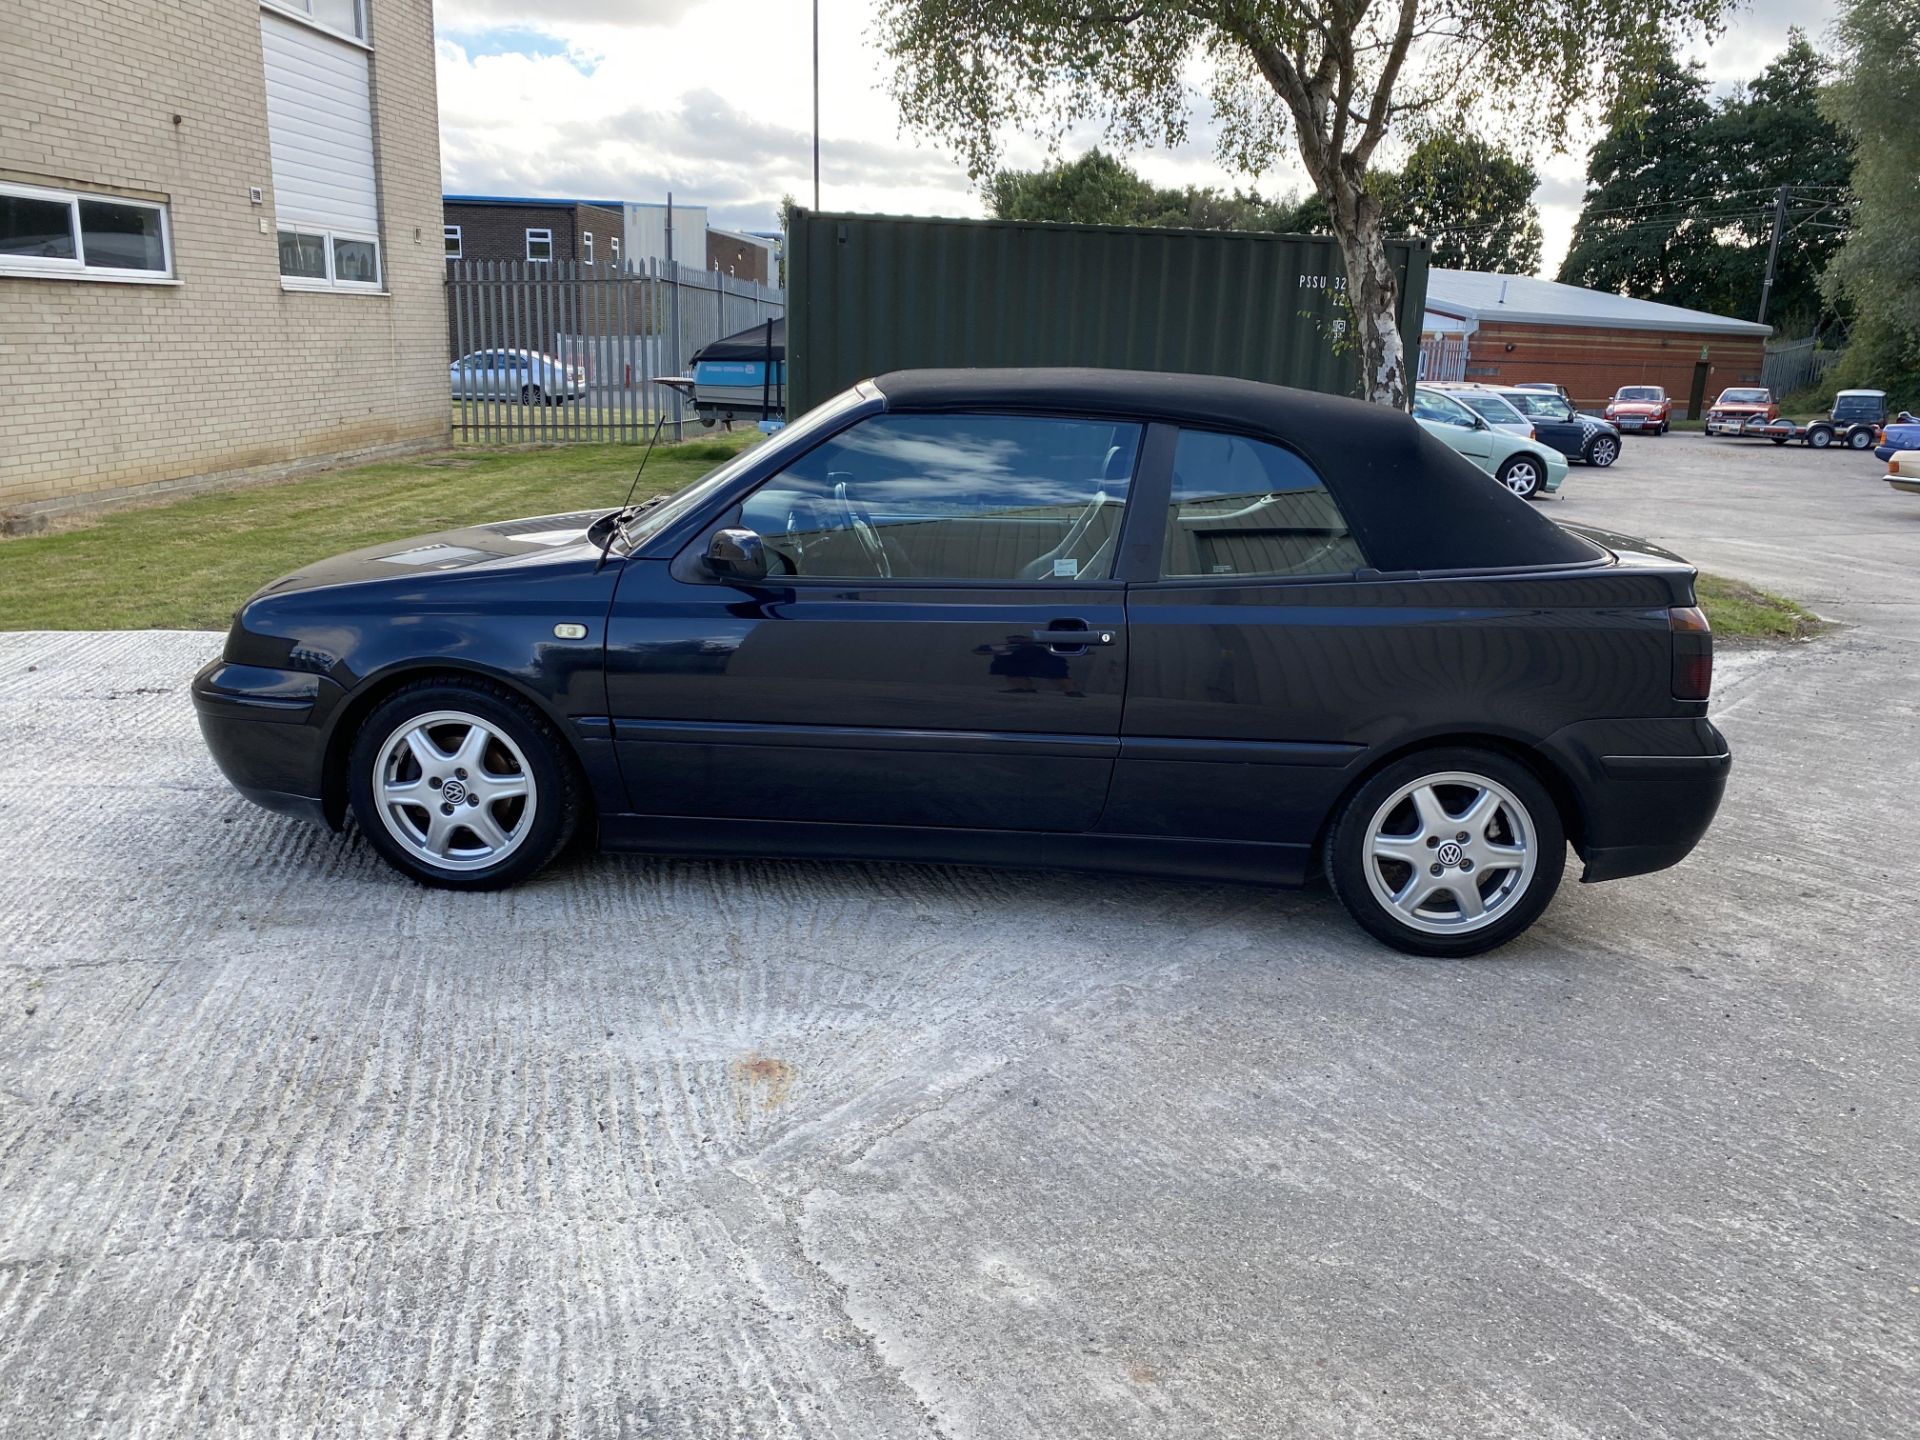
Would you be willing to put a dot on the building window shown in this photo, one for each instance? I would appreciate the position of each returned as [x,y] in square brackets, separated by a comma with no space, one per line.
[453,242]
[315,259]
[320,123]
[343,17]
[539,245]
[73,233]
[586,246]
[615,258]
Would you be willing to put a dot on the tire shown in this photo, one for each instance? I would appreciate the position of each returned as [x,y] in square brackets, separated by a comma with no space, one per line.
[1820,436]
[1522,474]
[1779,439]
[532,395]
[1603,451]
[515,772]
[1664,427]
[1512,861]
[1859,439]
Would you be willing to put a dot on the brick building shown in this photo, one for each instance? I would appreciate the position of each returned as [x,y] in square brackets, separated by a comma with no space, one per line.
[216,242]
[743,256]
[506,227]
[1514,328]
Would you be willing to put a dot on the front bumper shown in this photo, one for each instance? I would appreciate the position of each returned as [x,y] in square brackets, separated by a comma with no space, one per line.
[1737,425]
[1635,422]
[265,730]
[1647,789]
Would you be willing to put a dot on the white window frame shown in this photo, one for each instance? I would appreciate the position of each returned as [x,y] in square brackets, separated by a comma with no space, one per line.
[452,232]
[586,246]
[332,284]
[77,268]
[295,10]
[614,258]
[533,259]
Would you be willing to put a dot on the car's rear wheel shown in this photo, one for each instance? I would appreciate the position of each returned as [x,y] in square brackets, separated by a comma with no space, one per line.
[1447,852]
[1521,475]
[462,784]
[1603,451]
[532,395]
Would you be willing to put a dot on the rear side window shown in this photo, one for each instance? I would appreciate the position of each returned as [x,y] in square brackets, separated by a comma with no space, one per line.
[1014,498]
[1244,508]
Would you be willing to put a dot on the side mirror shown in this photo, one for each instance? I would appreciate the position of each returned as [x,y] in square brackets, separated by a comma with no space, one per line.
[738,555]
[1480,423]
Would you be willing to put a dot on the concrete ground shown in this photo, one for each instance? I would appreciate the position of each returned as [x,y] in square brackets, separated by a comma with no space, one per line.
[289,1146]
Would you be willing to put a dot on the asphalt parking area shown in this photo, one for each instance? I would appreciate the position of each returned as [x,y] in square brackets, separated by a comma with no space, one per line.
[679,1148]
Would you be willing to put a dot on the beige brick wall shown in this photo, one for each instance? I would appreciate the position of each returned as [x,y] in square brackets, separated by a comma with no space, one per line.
[112,387]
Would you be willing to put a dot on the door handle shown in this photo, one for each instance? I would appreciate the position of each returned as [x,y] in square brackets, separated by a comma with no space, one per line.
[1080,638]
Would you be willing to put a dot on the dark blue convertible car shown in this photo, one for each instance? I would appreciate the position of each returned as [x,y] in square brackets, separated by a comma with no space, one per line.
[1064,618]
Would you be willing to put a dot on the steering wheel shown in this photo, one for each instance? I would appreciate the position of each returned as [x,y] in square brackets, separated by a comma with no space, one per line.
[857,519]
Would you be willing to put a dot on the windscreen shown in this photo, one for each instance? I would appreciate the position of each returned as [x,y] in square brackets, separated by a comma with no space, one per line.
[1644,393]
[1744,397]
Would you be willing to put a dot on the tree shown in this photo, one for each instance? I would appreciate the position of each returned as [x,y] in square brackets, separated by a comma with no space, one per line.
[1472,199]
[1877,269]
[1680,195]
[1338,75]
[1641,229]
[1098,189]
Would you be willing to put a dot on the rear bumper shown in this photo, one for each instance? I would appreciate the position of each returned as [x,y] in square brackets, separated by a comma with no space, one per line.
[263,728]
[1647,789]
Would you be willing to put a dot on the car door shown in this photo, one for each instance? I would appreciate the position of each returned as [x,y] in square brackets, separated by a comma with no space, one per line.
[942,641]
[1458,426]
[1555,423]
[1236,723]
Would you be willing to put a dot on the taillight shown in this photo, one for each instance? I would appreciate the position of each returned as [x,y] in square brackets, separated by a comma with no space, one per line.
[1692,652]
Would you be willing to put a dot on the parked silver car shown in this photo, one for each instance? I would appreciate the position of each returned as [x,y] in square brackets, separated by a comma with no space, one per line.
[524,375]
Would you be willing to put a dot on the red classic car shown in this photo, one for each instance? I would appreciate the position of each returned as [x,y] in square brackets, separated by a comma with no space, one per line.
[1742,410]
[1644,408]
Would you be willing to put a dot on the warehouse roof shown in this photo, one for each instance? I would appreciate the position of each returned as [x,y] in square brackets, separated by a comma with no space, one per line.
[1478,295]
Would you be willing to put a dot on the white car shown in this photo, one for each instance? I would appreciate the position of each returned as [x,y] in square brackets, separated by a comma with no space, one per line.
[524,375]
[1526,467]
[1903,471]
[1491,407]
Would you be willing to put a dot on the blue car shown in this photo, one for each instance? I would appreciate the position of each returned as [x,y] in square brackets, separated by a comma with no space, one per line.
[1900,433]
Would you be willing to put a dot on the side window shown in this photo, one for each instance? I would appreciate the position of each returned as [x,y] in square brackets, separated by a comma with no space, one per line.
[1245,508]
[1428,405]
[1017,498]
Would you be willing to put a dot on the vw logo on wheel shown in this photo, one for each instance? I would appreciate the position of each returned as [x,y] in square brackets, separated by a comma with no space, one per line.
[1450,854]
[453,792]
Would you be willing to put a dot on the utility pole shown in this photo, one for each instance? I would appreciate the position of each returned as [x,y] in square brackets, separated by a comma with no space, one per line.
[816,105]
[1773,250]
[673,305]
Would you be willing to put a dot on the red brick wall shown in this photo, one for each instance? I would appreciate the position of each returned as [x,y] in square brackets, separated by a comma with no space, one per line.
[1594,363]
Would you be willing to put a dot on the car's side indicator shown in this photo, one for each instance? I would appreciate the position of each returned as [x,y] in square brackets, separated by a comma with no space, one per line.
[570,631]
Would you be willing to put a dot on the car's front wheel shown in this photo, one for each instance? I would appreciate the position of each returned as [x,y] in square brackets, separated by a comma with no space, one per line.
[1603,451]
[1520,474]
[462,784]
[1447,852]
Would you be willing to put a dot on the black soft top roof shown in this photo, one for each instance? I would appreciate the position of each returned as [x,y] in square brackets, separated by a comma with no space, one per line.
[750,344]
[1412,502]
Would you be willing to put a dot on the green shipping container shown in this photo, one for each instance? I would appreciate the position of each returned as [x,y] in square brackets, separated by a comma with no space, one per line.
[872,293]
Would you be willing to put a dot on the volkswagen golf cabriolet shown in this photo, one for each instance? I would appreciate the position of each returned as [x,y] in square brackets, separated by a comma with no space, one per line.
[1096,620]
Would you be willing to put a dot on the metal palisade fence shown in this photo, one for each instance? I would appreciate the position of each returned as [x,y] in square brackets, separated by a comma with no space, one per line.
[563,351]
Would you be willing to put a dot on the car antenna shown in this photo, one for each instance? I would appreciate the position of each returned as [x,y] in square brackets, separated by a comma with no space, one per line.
[627,505]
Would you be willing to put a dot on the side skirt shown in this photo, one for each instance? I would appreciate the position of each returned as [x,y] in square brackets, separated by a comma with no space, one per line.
[1247,861]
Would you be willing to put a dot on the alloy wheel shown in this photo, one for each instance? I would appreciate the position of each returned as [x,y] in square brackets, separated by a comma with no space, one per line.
[454,790]
[1605,451]
[1521,478]
[1450,853]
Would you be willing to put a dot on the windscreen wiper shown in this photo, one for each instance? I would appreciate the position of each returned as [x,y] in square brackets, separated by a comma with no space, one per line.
[629,510]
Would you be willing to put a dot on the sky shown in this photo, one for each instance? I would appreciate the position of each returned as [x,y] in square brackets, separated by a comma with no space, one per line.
[712,100]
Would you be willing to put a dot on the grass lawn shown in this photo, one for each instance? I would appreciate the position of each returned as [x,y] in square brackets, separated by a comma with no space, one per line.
[187,564]
[1740,613]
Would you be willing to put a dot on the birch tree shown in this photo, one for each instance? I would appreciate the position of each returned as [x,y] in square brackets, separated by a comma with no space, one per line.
[1336,77]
